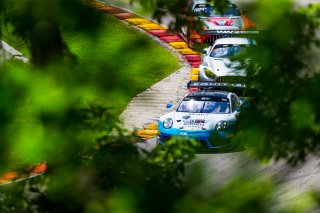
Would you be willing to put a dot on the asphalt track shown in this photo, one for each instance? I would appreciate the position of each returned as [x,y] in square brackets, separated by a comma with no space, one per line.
[147,107]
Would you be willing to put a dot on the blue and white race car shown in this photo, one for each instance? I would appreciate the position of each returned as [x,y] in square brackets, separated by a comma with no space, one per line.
[202,115]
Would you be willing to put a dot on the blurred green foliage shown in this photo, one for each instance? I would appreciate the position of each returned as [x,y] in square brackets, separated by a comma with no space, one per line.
[94,165]
[114,62]
[284,75]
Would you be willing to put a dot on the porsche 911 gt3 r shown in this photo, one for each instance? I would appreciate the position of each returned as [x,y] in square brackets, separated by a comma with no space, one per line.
[202,115]
[216,64]
[215,23]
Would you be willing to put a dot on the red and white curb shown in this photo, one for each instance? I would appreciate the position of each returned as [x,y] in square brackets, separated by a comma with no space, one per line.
[158,30]
[27,173]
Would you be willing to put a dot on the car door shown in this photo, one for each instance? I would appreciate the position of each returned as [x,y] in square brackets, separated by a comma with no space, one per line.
[235,105]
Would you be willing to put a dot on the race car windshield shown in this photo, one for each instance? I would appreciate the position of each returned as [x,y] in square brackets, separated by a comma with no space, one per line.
[226,52]
[207,10]
[216,107]
[231,11]
[203,10]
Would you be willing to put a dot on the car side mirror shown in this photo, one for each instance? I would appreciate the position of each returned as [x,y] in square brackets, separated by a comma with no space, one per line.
[205,50]
[169,106]
[237,109]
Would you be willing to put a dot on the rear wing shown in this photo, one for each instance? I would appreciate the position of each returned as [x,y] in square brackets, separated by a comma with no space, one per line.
[216,34]
[233,32]
[237,88]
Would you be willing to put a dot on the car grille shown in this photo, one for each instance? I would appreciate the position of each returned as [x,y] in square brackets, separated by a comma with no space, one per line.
[231,79]
[210,40]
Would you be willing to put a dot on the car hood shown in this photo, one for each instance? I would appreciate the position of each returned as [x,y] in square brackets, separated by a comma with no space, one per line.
[226,67]
[196,121]
[223,23]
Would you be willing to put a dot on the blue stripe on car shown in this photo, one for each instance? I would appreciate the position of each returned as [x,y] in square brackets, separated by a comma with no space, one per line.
[202,135]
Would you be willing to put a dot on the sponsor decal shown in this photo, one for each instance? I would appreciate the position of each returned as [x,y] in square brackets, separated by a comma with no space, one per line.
[232,31]
[194,123]
[221,21]
[183,133]
[186,117]
[215,84]
[200,114]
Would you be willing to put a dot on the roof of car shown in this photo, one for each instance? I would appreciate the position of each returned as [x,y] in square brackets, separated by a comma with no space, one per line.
[216,93]
[200,1]
[234,41]
[206,2]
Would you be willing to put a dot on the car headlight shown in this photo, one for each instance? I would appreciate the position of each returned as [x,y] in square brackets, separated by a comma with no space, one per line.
[221,125]
[209,73]
[167,123]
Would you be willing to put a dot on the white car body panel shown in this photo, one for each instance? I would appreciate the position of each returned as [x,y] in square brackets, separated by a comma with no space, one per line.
[186,120]
[223,66]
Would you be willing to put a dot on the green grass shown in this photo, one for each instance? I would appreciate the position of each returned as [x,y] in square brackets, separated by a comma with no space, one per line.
[113,67]
[131,61]
[135,6]
[120,62]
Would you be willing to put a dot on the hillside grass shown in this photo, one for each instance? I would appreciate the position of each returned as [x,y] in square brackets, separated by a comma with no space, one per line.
[131,61]
[113,66]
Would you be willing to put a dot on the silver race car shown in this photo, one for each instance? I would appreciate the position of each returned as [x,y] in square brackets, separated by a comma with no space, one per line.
[217,64]
[215,24]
